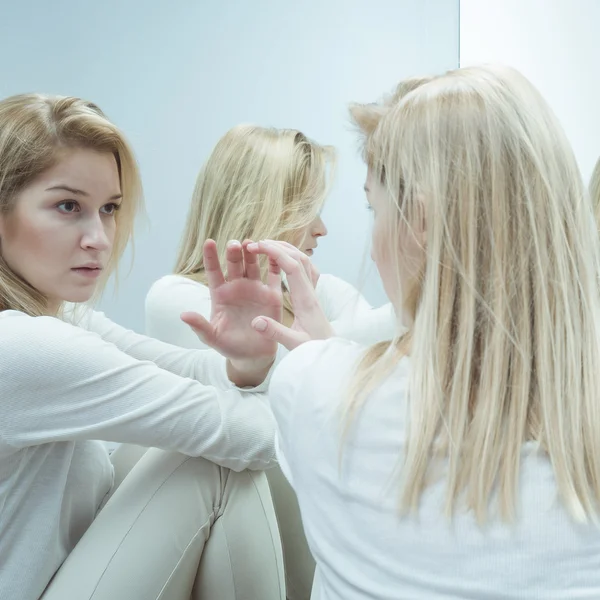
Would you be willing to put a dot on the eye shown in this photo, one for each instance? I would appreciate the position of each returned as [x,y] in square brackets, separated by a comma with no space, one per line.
[68,206]
[368,207]
[110,209]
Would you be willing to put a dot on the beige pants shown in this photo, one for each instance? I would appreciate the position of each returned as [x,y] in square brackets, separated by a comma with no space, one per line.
[177,528]
[299,562]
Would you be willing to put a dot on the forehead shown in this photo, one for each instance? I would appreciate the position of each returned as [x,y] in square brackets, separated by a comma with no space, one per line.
[84,169]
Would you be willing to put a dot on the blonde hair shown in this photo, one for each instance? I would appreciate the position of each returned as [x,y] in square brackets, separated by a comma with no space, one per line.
[257,183]
[595,191]
[34,128]
[504,343]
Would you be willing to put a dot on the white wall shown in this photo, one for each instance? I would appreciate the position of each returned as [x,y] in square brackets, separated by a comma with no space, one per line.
[175,76]
[555,44]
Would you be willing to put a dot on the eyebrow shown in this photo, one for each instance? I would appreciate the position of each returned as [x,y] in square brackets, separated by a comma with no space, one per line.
[66,188]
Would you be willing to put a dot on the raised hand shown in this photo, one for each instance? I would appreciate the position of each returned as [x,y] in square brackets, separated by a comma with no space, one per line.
[298,255]
[235,304]
[310,322]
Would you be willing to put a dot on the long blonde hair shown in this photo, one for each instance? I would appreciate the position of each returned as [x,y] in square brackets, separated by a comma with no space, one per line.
[595,191]
[257,183]
[504,344]
[33,129]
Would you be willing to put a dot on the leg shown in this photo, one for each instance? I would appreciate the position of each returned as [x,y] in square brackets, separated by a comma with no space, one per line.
[299,562]
[151,540]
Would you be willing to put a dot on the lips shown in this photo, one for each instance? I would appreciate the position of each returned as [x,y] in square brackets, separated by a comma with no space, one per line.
[90,271]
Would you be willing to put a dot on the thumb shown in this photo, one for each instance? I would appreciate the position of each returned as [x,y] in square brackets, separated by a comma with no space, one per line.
[269,328]
[202,328]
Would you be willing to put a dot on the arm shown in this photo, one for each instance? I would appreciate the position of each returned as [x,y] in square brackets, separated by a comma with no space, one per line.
[202,365]
[62,383]
[307,394]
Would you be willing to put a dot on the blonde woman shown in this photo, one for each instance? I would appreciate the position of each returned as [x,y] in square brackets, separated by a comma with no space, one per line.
[262,183]
[459,460]
[258,183]
[69,192]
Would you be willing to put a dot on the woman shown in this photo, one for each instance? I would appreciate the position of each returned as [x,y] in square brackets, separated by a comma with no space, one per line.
[258,183]
[460,459]
[262,183]
[69,192]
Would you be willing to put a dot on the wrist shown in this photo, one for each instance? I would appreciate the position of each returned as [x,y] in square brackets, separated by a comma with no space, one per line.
[248,372]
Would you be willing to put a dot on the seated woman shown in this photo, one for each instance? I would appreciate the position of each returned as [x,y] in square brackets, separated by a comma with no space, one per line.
[176,527]
[459,460]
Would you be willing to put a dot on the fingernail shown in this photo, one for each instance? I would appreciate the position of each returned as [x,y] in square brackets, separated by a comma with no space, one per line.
[260,325]
[232,243]
[252,246]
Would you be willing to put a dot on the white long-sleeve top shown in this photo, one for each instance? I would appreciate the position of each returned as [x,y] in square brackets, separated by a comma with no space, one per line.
[362,547]
[62,385]
[351,315]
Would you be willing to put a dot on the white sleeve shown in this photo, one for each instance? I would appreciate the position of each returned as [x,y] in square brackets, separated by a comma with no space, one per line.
[291,377]
[206,366]
[306,390]
[166,300]
[59,382]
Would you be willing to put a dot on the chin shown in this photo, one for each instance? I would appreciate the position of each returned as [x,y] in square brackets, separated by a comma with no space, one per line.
[77,296]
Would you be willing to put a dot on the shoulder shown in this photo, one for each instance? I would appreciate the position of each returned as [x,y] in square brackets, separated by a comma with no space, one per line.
[330,284]
[338,298]
[31,343]
[165,286]
[176,293]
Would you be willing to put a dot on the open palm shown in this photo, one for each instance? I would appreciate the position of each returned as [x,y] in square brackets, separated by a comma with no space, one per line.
[235,302]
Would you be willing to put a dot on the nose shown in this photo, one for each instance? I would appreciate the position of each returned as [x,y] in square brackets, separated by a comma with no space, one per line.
[94,235]
[319,229]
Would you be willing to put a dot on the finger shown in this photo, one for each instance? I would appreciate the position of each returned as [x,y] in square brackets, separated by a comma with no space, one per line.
[277,332]
[284,244]
[235,260]
[212,266]
[297,254]
[251,262]
[298,280]
[274,275]
[202,328]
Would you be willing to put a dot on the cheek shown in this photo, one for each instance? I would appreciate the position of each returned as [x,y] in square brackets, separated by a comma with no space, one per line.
[377,241]
[31,245]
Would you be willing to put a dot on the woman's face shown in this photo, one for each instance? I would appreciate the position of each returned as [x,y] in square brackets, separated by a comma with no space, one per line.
[406,253]
[309,237]
[59,235]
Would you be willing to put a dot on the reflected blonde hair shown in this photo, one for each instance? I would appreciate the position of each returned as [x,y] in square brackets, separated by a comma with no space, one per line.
[595,191]
[504,343]
[257,183]
[34,129]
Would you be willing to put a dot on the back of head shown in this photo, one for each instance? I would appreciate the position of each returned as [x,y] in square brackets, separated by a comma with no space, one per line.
[258,183]
[504,339]
[34,128]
